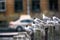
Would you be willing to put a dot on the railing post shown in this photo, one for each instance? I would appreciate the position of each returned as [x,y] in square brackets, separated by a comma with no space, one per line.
[22,36]
[51,33]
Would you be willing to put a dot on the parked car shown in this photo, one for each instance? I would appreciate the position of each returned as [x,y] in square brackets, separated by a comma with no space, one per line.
[21,23]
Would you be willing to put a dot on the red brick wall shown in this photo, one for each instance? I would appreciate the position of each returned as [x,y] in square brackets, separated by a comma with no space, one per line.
[10,9]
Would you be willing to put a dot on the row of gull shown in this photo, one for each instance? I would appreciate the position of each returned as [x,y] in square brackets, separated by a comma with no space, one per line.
[39,24]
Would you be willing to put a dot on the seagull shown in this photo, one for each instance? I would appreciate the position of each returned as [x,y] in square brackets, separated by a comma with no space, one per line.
[38,25]
[29,29]
[56,19]
[45,18]
[37,20]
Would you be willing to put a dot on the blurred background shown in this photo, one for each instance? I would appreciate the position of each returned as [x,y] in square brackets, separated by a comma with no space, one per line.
[12,9]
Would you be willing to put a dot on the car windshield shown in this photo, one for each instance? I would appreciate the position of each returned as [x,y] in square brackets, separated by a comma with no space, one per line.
[28,21]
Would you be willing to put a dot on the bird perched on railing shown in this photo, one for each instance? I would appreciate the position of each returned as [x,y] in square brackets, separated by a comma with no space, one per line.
[29,29]
[56,19]
[38,25]
[45,18]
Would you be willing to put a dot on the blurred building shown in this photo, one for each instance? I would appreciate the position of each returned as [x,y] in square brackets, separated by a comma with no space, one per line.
[12,9]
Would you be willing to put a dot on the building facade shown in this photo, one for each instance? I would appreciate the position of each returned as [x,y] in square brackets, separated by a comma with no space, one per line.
[12,9]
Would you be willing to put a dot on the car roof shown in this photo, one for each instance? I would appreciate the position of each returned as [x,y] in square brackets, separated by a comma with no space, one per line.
[22,17]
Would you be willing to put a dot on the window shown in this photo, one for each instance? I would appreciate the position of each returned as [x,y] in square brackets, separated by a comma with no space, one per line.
[27,21]
[53,5]
[36,5]
[18,5]
[2,5]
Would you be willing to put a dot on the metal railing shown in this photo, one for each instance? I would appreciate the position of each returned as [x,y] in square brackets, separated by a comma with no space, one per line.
[53,33]
[22,36]
[37,35]
[15,36]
